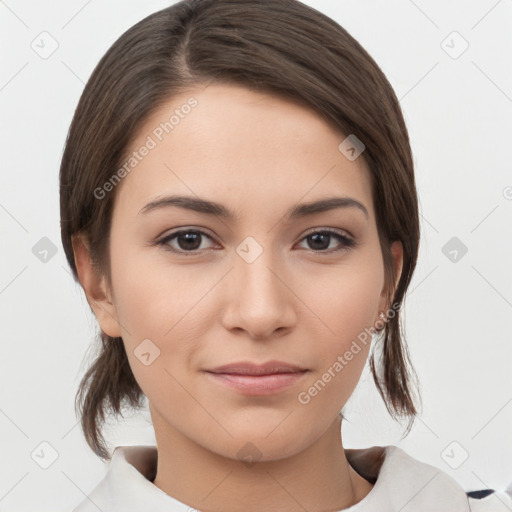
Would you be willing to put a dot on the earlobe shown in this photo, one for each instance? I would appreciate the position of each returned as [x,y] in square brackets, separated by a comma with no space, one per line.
[95,287]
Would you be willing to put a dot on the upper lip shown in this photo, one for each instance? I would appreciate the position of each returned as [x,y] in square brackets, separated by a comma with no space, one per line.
[250,368]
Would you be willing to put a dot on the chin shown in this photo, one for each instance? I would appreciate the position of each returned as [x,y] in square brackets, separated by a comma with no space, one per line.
[263,443]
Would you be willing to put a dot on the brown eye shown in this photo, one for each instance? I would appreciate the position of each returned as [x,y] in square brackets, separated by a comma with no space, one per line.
[186,241]
[320,241]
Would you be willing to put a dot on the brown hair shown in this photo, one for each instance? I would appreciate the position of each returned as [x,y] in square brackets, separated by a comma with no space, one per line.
[276,46]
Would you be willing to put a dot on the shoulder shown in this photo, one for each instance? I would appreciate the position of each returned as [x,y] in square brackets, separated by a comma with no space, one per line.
[412,485]
[126,484]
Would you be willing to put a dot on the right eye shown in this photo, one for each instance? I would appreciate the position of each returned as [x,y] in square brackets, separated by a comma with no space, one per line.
[188,241]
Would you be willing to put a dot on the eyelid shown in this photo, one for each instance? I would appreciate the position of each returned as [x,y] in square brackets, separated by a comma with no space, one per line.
[338,231]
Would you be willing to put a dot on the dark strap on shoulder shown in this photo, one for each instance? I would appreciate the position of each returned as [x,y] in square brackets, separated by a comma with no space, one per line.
[478,495]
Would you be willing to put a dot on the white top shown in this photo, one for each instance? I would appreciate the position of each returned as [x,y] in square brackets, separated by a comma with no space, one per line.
[401,483]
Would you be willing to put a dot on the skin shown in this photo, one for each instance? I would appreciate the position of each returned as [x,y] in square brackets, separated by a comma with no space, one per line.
[302,303]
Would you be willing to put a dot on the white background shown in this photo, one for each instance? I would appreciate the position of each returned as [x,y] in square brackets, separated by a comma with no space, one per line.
[457,314]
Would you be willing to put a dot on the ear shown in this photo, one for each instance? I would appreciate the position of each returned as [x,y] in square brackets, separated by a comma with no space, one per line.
[95,287]
[397,253]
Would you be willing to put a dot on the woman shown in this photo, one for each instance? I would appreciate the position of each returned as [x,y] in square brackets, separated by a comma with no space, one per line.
[238,203]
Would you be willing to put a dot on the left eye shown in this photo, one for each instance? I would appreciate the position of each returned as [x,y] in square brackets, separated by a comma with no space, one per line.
[321,240]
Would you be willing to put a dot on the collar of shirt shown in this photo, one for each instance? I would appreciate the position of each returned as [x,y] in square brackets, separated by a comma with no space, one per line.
[400,483]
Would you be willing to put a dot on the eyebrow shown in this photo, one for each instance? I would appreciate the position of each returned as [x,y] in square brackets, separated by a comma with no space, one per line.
[211,208]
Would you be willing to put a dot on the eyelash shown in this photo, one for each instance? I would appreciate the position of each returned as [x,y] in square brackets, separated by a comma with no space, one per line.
[347,243]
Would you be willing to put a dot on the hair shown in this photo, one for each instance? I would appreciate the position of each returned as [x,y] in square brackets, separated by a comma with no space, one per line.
[281,47]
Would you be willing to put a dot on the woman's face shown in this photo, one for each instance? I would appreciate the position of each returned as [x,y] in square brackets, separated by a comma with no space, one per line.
[256,287]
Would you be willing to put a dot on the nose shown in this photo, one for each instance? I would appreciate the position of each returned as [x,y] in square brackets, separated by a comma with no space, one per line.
[260,298]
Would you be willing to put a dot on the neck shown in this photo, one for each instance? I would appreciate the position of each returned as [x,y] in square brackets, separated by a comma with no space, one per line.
[318,478]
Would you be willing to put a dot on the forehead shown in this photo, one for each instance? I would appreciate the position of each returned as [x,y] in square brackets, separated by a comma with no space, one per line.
[251,150]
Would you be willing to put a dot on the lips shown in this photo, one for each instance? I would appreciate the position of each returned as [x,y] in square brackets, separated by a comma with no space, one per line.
[250,368]
[254,379]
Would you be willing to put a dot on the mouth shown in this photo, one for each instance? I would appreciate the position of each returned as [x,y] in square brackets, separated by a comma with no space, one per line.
[258,379]
[250,368]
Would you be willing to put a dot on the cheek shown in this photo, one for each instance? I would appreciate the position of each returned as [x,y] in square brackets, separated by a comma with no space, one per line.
[349,310]
[346,304]
[151,297]
[346,300]
[164,304]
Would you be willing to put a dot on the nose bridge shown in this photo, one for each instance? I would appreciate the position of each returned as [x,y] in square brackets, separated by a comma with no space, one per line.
[254,272]
[260,300]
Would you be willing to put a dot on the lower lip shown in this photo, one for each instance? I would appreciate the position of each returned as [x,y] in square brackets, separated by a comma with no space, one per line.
[258,384]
